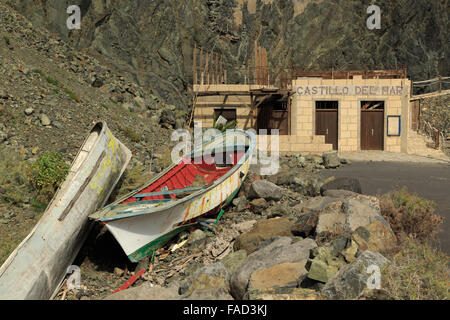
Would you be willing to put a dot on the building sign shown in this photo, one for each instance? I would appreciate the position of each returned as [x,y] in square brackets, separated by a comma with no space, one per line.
[394,126]
[351,90]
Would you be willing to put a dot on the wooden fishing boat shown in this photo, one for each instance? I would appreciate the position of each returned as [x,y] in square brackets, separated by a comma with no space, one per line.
[39,264]
[197,184]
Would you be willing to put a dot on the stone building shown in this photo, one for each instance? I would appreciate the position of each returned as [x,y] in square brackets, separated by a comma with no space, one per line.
[317,111]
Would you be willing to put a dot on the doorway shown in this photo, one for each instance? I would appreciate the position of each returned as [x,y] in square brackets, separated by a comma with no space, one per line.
[327,121]
[372,125]
[274,114]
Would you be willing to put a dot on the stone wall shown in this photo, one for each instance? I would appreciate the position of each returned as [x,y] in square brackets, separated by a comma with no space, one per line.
[349,114]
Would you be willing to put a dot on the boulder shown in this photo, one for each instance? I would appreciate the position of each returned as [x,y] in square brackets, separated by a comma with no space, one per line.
[347,215]
[240,203]
[278,210]
[280,275]
[316,204]
[285,294]
[351,280]
[376,236]
[327,259]
[210,282]
[305,225]
[265,189]
[279,251]
[349,184]
[234,260]
[339,194]
[331,160]
[331,220]
[362,211]
[259,205]
[306,185]
[147,291]
[261,231]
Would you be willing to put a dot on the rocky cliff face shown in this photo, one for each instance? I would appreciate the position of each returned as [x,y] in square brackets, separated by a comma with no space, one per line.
[154,40]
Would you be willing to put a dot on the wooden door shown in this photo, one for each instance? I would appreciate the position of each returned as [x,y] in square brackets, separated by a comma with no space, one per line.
[327,125]
[415,114]
[372,129]
[280,120]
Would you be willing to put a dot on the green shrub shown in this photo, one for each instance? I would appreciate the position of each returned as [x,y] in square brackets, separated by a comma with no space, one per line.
[222,128]
[13,179]
[417,272]
[47,173]
[410,215]
[7,41]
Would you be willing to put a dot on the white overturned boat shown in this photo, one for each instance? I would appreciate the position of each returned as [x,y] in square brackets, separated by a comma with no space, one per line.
[39,264]
[147,218]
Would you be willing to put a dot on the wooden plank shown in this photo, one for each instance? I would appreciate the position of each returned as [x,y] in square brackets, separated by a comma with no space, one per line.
[194,71]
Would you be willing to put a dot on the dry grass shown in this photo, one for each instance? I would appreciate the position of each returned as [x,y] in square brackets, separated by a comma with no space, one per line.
[410,216]
[417,272]
[13,180]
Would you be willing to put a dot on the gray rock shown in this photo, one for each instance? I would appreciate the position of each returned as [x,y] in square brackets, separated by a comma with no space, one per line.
[45,120]
[240,203]
[211,282]
[147,291]
[29,111]
[316,204]
[265,189]
[331,160]
[339,194]
[361,212]
[196,238]
[280,251]
[234,260]
[351,280]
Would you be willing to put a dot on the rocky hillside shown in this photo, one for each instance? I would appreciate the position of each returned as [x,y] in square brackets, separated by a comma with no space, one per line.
[50,97]
[153,41]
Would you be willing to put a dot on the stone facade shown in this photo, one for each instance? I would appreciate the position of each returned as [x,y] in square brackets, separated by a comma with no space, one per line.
[305,92]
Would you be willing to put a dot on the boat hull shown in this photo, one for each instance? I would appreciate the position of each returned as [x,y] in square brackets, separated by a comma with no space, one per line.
[142,228]
[39,264]
[139,236]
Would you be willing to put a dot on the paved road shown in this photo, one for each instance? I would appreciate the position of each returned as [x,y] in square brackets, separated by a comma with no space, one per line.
[431,181]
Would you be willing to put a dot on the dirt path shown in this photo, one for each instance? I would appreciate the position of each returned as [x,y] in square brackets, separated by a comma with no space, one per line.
[428,180]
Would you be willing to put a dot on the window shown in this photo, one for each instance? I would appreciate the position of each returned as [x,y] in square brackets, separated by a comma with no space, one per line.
[229,114]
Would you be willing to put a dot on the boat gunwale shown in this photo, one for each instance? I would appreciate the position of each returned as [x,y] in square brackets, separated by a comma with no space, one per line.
[175,202]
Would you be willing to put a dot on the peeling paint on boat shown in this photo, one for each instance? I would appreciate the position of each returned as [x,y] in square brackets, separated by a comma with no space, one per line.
[38,265]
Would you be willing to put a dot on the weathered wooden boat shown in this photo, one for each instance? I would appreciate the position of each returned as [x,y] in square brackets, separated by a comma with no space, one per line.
[39,264]
[150,216]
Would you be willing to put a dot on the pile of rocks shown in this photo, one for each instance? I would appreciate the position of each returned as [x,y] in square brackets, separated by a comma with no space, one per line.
[320,248]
